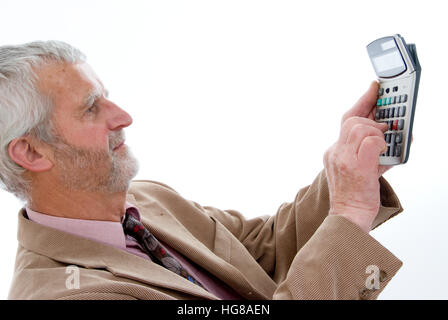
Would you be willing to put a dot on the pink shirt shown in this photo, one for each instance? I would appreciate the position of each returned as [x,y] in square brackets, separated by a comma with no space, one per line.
[112,234]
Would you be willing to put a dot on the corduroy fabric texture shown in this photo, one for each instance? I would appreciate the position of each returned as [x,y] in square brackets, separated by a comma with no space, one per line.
[298,253]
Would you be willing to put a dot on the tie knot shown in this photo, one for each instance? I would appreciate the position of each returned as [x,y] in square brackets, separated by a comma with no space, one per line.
[134,228]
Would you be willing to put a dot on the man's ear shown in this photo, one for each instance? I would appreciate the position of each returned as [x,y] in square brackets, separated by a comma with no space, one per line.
[23,152]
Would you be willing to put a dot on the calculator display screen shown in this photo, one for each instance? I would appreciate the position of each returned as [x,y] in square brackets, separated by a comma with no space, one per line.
[388,61]
[386,57]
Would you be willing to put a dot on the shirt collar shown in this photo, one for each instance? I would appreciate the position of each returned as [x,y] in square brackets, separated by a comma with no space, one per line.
[107,232]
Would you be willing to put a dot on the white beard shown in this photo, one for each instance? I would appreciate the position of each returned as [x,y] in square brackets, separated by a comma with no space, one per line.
[95,171]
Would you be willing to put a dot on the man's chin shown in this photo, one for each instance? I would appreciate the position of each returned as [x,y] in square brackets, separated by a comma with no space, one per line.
[122,174]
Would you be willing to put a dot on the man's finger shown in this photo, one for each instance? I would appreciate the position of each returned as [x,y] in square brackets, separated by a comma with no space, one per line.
[370,149]
[359,133]
[365,104]
[353,121]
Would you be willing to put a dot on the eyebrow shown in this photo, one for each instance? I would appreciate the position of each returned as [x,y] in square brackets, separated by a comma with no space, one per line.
[92,96]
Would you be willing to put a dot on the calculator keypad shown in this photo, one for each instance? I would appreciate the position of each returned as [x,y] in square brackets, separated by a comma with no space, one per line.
[392,110]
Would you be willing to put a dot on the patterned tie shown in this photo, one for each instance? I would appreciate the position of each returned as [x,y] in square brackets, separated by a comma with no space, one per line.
[153,248]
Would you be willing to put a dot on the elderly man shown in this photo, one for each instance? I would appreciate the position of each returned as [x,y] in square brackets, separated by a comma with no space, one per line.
[87,232]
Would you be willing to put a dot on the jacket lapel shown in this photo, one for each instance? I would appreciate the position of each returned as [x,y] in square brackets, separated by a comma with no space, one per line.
[70,249]
[166,228]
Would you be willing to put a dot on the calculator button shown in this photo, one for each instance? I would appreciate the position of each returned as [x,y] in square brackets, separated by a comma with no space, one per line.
[386,113]
[394,98]
[390,123]
[388,151]
[379,102]
[395,125]
[392,112]
[377,116]
[395,89]
[381,91]
[382,114]
[399,137]
[392,151]
[388,137]
[400,124]
[384,101]
[403,111]
[404,98]
[398,99]
[392,145]
[397,111]
[397,150]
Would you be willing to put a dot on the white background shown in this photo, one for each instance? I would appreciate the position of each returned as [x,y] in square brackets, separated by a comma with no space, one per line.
[235,102]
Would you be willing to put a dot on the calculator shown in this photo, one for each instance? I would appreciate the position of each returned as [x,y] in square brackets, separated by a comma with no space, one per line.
[398,70]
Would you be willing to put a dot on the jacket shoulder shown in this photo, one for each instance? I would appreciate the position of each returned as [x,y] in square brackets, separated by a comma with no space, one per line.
[139,186]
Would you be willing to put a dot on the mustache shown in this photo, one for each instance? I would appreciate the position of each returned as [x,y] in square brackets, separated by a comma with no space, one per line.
[115,139]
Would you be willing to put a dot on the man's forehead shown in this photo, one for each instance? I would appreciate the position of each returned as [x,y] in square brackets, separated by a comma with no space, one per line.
[69,80]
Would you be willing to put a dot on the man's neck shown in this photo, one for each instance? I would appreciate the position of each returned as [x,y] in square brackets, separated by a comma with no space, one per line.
[79,204]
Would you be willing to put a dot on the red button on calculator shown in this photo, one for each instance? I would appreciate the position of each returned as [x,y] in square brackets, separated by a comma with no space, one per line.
[395,125]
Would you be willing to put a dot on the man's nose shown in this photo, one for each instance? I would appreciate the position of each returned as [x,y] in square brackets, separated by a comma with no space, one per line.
[118,119]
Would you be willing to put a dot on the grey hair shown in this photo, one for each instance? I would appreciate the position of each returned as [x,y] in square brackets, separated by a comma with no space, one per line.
[23,109]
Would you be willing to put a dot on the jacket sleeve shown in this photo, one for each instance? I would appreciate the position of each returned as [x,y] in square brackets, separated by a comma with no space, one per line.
[311,255]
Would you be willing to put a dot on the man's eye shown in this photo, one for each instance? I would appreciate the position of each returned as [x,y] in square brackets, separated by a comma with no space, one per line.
[92,109]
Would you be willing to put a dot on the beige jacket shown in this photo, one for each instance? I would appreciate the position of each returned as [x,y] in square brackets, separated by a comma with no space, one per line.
[298,253]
